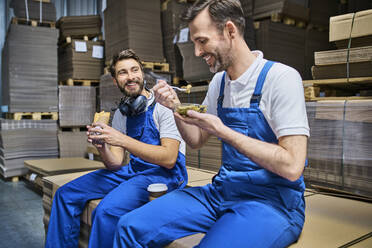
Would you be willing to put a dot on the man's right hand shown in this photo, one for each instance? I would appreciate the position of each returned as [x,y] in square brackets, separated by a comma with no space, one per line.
[165,95]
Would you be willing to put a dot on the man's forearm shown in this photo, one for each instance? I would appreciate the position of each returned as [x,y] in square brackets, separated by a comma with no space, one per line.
[191,134]
[110,160]
[275,158]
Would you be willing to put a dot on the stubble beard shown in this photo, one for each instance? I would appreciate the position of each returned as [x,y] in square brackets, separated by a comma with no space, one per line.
[132,94]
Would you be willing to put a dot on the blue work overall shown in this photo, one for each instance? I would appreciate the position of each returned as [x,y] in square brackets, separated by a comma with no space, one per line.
[245,206]
[122,191]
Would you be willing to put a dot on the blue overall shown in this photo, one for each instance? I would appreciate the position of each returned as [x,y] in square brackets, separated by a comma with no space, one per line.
[122,191]
[245,206]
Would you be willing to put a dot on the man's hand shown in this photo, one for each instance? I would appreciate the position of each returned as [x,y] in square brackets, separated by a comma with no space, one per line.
[209,123]
[165,95]
[100,134]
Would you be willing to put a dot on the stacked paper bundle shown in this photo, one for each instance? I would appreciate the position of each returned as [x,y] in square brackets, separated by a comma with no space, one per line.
[33,8]
[135,25]
[72,144]
[335,63]
[79,26]
[110,94]
[30,69]
[339,147]
[77,105]
[81,60]
[25,139]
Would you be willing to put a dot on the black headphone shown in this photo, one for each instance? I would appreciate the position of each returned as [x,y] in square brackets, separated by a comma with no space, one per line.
[132,106]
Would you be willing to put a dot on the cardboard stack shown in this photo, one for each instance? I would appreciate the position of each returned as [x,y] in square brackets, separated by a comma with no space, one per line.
[135,25]
[78,62]
[357,28]
[340,144]
[79,26]
[171,24]
[208,157]
[29,82]
[110,95]
[197,95]
[77,105]
[25,139]
[32,10]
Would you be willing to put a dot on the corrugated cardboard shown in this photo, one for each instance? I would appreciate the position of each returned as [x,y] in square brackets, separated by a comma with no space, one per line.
[340,26]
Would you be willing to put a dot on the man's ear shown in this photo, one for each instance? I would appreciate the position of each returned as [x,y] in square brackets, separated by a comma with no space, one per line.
[115,82]
[231,29]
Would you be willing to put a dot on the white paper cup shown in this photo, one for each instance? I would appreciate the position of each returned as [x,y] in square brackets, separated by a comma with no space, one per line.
[156,190]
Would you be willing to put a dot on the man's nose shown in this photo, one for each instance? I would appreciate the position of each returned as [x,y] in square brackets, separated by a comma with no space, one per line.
[197,50]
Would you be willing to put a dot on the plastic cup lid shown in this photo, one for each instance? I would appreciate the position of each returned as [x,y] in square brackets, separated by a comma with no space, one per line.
[157,187]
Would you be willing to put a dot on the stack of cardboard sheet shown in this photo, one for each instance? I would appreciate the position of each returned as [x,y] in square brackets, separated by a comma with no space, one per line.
[196,95]
[321,11]
[25,139]
[33,9]
[135,25]
[342,28]
[39,168]
[109,95]
[247,6]
[195,69]
[29,82]
[290,45]
[81,60]
[340,144]
[72,144]
[79,26]
[171,23]
[282,43]
[208,157]
[77,105]
[289,8]
[197,177]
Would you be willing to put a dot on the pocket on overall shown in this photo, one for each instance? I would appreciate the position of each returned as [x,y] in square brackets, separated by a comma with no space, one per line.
[291,198]
[136,125]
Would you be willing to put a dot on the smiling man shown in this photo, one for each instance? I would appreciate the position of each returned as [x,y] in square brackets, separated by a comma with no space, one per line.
[144,128]
[257,108]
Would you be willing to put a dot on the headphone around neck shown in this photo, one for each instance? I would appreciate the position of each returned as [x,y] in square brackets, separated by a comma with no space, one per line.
[132,106]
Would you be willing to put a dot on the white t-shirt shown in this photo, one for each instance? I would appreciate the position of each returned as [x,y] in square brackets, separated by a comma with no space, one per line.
[282,102]
[163,119]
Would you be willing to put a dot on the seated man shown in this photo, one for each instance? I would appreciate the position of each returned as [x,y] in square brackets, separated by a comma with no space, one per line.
[257,108]
[144,128]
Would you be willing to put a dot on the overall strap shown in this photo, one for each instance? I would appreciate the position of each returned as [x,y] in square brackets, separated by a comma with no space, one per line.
[222,89]
[256,98]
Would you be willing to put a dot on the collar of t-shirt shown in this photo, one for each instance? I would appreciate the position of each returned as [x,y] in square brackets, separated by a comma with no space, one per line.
[245,77]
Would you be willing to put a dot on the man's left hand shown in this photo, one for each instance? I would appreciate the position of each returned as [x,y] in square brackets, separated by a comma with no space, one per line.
[210,123]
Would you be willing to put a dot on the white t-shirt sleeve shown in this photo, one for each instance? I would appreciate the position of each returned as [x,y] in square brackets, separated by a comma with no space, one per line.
[119,122]
[166,123]
[287,111]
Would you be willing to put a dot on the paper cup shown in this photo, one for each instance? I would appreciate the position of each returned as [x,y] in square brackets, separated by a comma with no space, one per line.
[156,190]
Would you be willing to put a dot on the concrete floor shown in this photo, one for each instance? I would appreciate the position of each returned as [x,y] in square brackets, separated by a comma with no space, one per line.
[21,216]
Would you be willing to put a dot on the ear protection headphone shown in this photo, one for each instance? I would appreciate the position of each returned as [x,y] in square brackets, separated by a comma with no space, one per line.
[131,106]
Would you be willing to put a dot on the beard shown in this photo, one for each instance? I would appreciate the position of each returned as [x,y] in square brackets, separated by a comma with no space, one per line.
[222,59]
[132,93]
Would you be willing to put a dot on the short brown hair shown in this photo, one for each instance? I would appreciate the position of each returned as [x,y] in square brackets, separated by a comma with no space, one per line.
[220,11]
[124,54]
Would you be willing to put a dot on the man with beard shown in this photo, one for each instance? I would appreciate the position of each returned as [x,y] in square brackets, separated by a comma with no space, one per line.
[257,108]
[157,156]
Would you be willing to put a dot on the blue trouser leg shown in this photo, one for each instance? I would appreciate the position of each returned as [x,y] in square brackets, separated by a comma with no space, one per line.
[174,215]
[69,202]
[252,224]
[185,212]
[129,195]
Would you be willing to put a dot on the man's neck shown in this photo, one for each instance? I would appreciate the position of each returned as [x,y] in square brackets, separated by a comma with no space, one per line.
[243,59]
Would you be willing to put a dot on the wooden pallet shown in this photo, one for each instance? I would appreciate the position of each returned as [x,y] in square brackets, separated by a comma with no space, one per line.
[80,82]
[280,18]
[156,66]
[32,116]
[34,23]
[87,37]
[44,1]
